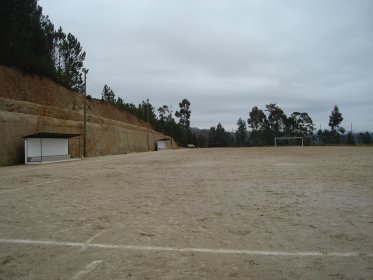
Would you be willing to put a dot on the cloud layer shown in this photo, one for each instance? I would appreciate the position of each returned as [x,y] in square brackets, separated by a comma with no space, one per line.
[228,56]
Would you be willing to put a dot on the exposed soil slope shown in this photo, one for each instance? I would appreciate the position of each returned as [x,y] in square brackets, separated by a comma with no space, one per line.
[30,104]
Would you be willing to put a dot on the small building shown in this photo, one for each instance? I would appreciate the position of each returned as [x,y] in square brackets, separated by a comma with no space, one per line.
[164,144]
[45,147]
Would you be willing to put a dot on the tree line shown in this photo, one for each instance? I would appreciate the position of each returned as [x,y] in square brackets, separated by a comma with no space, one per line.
[259,129]
[262,127]
[337,134]
[30,42]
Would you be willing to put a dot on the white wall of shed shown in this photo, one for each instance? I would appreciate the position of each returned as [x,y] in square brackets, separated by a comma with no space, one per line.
[55,146]
[161,145]
[46,147]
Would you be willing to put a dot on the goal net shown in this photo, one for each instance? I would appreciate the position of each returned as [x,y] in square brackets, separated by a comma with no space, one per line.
[288,141]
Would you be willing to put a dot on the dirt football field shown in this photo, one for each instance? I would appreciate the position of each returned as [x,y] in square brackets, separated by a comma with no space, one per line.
[238,213]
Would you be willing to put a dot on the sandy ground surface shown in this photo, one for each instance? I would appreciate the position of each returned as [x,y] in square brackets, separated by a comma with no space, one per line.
[249,213]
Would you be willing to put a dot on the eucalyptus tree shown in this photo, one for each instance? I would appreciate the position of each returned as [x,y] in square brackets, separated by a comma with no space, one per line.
[259,127]
[276,119]
[299,124]
[184,113]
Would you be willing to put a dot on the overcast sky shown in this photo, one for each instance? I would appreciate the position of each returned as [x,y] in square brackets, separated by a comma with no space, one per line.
[230,55]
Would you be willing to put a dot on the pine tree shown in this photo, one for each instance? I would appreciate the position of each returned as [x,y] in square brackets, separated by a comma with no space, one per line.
[241,133]
[108,94]
[30,42]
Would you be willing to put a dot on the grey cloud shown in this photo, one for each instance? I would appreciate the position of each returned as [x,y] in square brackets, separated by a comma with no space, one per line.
[227,56]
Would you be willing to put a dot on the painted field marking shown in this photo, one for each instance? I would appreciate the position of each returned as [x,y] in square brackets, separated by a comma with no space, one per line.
[95,236]
[88,269]
[88,241]
[186,250]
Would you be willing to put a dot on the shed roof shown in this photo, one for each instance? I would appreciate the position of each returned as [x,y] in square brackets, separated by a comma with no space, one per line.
[51,135]
[164,139]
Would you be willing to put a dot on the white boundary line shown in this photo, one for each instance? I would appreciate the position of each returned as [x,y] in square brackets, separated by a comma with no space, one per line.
[88,241]
[186,250]
[95,236]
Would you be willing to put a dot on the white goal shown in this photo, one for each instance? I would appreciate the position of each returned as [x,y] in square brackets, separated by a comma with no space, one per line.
[289,140]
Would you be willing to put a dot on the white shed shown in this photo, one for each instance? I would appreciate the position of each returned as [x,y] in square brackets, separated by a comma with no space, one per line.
[164,144]
[47,147]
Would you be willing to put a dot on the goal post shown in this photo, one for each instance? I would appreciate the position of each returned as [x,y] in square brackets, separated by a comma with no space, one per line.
[287,138]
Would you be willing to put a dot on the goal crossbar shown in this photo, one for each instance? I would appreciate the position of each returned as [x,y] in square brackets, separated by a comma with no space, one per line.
[283,138]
